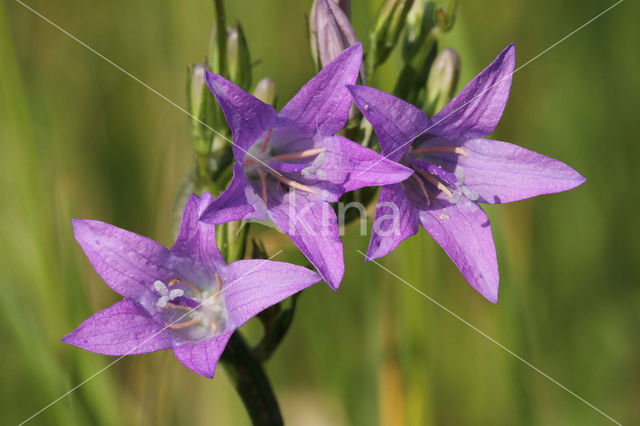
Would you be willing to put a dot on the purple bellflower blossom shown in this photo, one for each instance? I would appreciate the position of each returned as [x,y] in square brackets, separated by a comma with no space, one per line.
[290,165]
[186,299]
[455,169]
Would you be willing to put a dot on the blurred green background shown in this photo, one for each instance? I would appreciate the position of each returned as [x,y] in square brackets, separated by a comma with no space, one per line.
[78,138]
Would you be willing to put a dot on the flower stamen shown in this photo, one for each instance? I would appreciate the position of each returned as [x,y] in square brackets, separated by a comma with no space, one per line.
[174,306]
[181,325]
[263,148]
[299,155]
[175,281]
[451,149]
[263,182]
[435,182]
[422,188]
[218,286]
[294,184]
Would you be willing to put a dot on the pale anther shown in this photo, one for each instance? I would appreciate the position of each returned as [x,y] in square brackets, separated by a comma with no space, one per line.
[435,182]
[294,184]
[299,155]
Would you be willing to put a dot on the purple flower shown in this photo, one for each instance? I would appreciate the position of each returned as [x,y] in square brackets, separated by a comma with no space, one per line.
[291,164]
[186,299]
[455,169]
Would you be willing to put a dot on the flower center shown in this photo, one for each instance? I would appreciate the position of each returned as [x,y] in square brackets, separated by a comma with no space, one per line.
[265,166]
[428,162]
[193,313]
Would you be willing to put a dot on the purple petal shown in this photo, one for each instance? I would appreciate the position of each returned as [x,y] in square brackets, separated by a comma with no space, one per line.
[255,284]
[501,172]
[351,166]
[127,262]
[248,117]
[476,110]
[197,240]
[313,228]
[233,204]
[396,220]
[202,357]
[464,232]
[122,329]
[323,104]
[395,121]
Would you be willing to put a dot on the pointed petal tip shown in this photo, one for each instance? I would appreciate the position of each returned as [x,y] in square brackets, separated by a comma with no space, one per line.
[491,296]
[375,250]
[508,54]
[509,51]
[356,49]
[487,287]
[335,280]
[579,180]
[352,53]
[68,338]
[81,227]
[214,81]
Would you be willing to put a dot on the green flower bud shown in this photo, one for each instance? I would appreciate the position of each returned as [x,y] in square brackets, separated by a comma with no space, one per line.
[445,15]
[201,105]
[419,24]
[218,43]
[387,29]
[238,59]
[266,91]
[313,36]
[442,82]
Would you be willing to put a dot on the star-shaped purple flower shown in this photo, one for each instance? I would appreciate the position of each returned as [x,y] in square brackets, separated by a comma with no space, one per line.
[186,299]
[291,164]
[455,169]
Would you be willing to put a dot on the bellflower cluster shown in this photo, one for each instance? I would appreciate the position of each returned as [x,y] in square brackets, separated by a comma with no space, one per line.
[288,167]
[186,299]
[455,168]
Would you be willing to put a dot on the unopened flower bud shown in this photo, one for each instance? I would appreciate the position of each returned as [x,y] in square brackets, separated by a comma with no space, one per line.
[445,15]
[238,59]
[387,29]
[335,32]
[331,31]
[345,5]
[418,26]
[218,42]
[201,106]
[266,91]
[442,82]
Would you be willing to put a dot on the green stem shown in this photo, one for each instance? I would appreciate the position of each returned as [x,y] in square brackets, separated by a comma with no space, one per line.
[221,38]
[276,320]
[251,382]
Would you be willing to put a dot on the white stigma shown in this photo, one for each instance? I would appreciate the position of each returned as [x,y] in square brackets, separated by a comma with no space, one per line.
[165,294]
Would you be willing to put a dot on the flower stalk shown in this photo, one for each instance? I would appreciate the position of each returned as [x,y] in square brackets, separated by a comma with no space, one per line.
[251,382]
